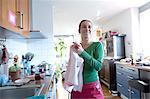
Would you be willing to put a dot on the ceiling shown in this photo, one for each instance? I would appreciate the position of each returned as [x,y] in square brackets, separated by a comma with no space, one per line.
[68,13]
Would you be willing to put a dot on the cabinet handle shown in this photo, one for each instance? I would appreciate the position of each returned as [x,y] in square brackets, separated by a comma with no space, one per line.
[131,69]
[129,90]
[132,92]
[119,85]
[130,77]
[21,21]
[121,67]
[119,73]
[18,19]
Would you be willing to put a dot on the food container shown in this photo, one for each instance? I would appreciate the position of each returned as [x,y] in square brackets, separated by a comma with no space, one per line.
[14,75]
[37,77]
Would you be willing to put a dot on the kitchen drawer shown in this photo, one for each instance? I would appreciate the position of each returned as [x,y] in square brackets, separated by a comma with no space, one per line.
[134,94]
[122,89]
[131,76]
[121,77]
[121,68]
[133,71]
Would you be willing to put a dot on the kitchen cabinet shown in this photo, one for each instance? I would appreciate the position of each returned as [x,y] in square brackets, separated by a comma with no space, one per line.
[29,18]
[0,12]
[15,15]
[103,72]
[108,74]
[23,20]
[106,70]
[145,74]
[123,74]
[9,15]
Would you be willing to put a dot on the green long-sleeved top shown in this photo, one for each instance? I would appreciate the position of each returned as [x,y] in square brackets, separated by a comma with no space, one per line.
[93,58]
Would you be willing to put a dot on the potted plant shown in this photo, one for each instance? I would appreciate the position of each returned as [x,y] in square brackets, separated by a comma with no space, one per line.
[15,70]
[60,48]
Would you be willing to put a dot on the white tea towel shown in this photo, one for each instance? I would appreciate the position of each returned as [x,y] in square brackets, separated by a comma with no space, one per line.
[73,77]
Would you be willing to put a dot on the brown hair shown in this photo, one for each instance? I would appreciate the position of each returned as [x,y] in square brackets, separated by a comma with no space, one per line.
[82,22]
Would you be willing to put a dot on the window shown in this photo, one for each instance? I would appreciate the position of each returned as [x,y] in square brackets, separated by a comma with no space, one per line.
[67,42]
[145,31]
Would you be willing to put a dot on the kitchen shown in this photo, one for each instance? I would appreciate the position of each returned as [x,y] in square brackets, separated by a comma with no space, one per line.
[42,43]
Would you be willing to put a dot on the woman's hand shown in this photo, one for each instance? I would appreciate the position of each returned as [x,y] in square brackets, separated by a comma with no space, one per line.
[77,47]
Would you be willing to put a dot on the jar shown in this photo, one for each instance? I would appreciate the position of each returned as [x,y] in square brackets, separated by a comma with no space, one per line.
[41,69]
[14,75]
[37,77]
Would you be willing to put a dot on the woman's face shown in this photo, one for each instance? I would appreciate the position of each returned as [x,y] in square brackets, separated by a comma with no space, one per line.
[85,30]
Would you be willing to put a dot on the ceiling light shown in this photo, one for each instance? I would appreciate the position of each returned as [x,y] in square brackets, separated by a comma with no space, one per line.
[98,13]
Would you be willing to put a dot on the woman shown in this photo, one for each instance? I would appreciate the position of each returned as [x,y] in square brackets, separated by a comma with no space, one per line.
[93,54]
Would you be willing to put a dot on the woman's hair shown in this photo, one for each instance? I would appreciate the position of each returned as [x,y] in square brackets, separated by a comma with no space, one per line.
[82,22]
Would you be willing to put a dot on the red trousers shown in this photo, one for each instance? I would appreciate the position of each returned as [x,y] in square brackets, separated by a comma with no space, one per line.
[89,91]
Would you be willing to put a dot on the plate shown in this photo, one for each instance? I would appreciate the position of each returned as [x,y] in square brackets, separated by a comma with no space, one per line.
[22,81]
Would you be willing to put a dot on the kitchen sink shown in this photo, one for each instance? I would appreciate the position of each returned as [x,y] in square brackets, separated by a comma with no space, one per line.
[20,92]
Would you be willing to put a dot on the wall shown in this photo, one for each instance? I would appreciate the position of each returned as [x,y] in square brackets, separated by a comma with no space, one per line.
[136,39]
[42,16]
[125,22]
[43,20]
[43,50]
[14,43]
[16,47]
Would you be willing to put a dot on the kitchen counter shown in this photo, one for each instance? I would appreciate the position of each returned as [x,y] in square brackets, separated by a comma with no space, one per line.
[142,74]
[45,85]
[32,88]
[145,68]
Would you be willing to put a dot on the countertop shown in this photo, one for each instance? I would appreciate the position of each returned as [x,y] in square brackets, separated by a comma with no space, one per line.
[145,68]
[47,82]
[44,83]
[43,86]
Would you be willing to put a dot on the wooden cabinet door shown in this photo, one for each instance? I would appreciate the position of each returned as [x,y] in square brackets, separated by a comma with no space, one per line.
[25,16]
[9,15]
[0,12]
[15,15]
[23,13]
